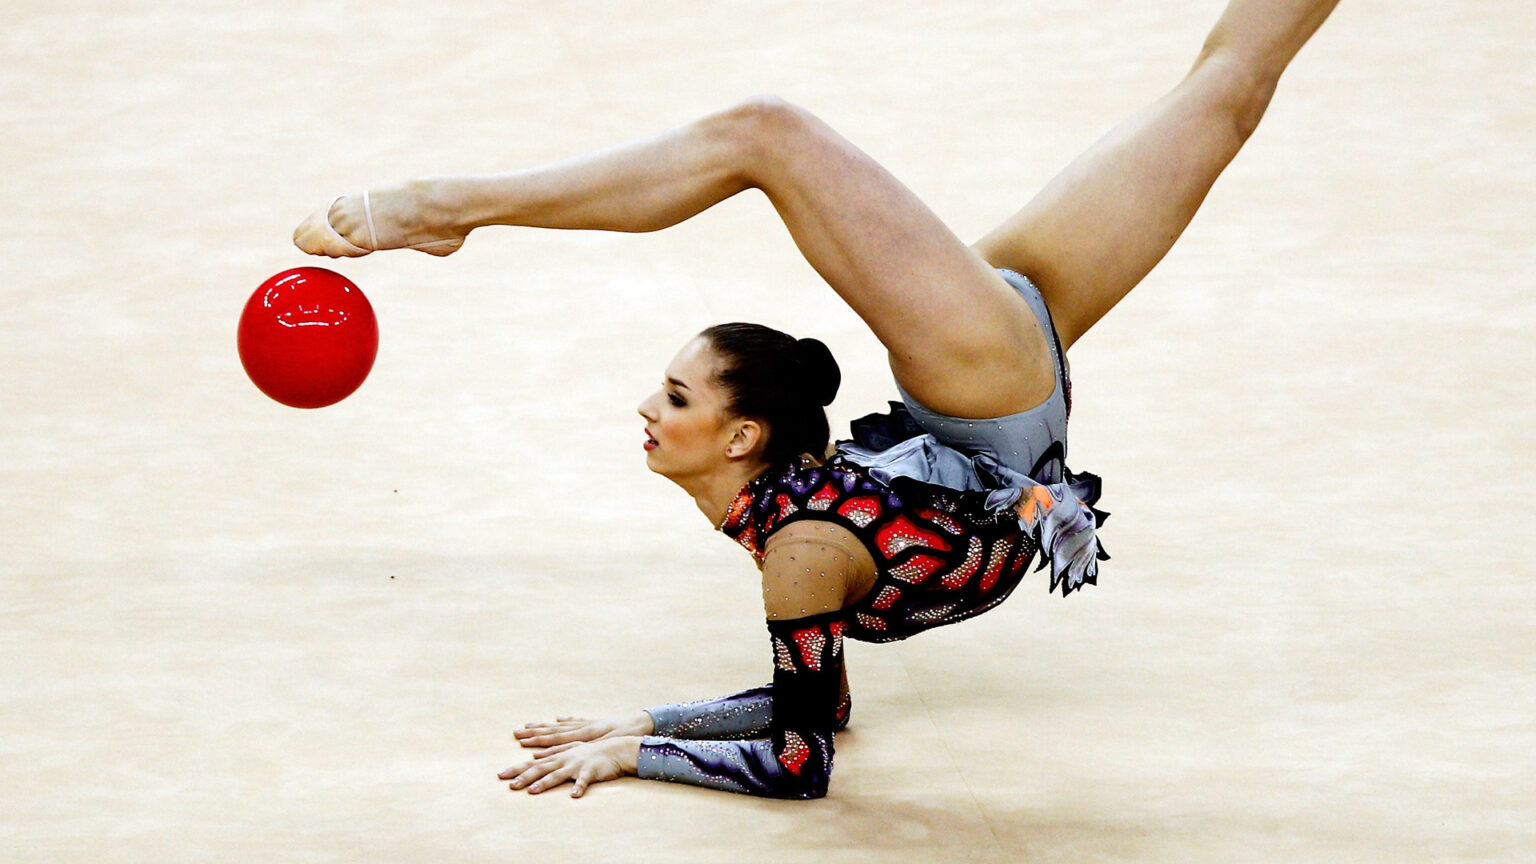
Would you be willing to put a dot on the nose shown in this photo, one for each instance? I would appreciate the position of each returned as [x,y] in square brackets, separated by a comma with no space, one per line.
[645,411]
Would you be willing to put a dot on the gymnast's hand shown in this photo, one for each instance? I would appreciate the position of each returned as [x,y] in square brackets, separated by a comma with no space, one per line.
[581,762]
[566,730]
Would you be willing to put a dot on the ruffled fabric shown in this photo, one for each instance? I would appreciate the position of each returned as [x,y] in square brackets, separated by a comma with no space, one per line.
[1061,517]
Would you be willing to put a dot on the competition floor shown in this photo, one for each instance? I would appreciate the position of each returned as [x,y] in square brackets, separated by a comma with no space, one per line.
[235,631]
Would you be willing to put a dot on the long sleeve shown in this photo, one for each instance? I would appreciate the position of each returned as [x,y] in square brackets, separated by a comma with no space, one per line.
[795,761]
[735,717]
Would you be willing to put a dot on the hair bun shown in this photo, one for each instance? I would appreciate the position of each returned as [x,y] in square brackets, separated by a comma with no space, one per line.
[820,376]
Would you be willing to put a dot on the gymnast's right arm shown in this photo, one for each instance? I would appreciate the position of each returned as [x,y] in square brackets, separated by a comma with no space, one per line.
[734,717]
[804,582]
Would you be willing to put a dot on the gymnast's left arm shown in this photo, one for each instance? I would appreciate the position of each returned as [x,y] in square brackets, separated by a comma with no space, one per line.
[804,582]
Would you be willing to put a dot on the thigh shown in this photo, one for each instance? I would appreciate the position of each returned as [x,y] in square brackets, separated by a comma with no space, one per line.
[960,339]
[1106,220]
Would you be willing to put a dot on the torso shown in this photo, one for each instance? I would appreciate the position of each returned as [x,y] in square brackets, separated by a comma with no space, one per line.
[925,563]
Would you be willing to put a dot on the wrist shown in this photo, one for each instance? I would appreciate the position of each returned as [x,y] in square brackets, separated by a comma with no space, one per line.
[642,724]
[629,753]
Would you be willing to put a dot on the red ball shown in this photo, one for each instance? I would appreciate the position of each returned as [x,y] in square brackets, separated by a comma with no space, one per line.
[308,337]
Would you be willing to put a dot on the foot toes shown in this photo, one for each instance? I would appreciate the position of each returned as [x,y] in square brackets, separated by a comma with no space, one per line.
[315,237]
[326,232]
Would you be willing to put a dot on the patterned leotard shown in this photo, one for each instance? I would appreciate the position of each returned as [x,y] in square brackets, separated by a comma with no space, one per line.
[940,556]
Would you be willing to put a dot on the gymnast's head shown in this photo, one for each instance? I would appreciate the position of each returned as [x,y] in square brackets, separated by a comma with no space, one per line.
[740,395]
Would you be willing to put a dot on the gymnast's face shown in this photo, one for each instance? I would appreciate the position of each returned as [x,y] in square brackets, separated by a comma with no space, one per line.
[689,431]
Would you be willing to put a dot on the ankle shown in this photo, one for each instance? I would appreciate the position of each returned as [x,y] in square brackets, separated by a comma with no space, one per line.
[437,204]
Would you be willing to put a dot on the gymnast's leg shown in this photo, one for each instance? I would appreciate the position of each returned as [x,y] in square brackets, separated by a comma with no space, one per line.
[1102,224]
[880,248]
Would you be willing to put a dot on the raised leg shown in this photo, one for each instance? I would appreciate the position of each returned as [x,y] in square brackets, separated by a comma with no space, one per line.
[959,338]
[1102,224]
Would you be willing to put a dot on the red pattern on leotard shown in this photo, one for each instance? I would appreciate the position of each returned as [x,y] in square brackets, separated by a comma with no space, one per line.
[941,556]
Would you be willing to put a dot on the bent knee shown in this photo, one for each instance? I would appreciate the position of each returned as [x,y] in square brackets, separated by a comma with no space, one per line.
[769,111]
[767,126]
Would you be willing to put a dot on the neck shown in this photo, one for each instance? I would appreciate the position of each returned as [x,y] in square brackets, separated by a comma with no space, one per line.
[714,492]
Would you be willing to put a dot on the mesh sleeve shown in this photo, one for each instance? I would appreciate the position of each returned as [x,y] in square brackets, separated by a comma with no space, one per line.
[795,761]
[739,715]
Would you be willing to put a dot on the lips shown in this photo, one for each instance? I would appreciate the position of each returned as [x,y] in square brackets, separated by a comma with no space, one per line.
[650,443]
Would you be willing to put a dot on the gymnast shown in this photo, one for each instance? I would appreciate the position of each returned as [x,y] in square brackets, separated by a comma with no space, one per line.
[933,511]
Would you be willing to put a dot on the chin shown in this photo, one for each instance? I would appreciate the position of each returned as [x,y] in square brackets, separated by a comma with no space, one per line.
[663,470]
[650,464]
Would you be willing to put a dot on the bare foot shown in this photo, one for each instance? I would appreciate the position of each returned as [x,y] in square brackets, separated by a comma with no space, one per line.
[411,216]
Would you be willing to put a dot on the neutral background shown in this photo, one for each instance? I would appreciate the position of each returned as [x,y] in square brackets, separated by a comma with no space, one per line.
[231,630]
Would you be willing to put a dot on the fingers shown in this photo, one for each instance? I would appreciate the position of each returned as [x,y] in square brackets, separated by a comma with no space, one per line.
[560,749]
[551,729]
[584,777]
[563,731]
[545,739]
[539,775]
[567,764]
[558,720]
[560,724]
[559,738]
[553,779]
[542,763]
[525,773]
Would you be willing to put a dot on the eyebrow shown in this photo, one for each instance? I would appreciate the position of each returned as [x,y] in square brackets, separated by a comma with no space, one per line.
[677,383]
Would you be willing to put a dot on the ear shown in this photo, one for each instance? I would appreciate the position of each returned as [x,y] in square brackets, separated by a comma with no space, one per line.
[745,439]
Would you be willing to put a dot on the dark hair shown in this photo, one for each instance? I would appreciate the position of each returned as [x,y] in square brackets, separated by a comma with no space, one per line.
[782,381]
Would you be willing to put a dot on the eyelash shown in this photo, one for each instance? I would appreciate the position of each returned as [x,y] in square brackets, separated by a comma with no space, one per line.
[676,400]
